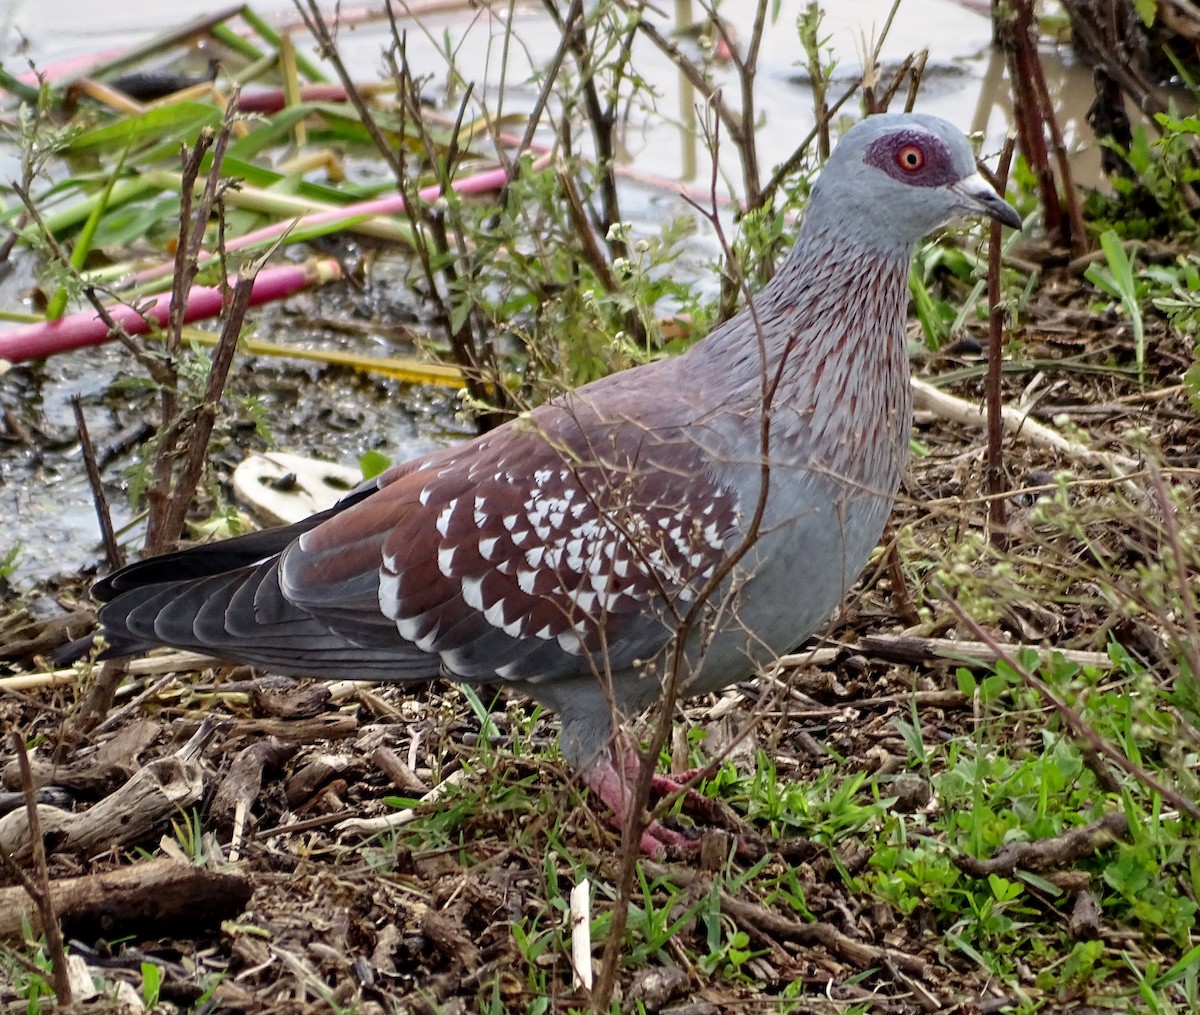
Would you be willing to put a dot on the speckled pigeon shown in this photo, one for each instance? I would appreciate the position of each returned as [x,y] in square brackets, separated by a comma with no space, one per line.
[712,508]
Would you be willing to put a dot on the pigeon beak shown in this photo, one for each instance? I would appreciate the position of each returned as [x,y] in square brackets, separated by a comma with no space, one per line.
[977,195]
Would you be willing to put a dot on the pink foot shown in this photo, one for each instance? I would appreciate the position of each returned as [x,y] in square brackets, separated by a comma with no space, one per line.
[614,788]
[613,785]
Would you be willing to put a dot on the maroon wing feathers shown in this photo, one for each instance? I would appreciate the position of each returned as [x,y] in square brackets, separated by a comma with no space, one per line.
[520,556]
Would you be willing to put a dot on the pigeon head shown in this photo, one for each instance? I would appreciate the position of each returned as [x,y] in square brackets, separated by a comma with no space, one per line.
[895,177]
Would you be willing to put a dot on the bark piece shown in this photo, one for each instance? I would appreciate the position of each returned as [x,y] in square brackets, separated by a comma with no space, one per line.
[243,781]
[128,815]
[283,698]
[151,898]
[301,785]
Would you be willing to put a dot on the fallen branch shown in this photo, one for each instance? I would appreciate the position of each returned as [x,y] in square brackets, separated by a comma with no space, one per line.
[153,795]
[1045,853]
[1016,422]
[155,897]
[778,928]
[34,894]
[903,648]
[171,662]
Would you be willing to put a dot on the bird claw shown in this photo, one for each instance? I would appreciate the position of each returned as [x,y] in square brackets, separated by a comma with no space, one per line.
[612,785]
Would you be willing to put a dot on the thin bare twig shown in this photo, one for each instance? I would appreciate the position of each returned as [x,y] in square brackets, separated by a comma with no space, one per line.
[205,414]
[994,475]
[39,889]
[112,549]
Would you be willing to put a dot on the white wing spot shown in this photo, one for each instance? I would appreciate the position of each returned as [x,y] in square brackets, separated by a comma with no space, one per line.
[410,630]
[389,594]
[443,520]
[494,615]
[472,592]
[584,599]
[570,642]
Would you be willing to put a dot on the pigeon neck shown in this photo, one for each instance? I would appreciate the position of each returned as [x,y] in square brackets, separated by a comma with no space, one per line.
[832,282]
[824,236]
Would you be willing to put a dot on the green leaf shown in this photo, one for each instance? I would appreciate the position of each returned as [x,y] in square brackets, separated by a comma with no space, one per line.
[181,118]
[151,983]
[373,463]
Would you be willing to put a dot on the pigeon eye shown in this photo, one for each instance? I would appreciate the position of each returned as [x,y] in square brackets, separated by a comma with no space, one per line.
[910,158]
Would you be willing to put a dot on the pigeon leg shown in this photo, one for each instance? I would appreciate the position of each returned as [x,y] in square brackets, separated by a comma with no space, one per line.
[615,789]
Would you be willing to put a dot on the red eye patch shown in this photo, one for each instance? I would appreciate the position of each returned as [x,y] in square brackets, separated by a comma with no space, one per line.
[914,157]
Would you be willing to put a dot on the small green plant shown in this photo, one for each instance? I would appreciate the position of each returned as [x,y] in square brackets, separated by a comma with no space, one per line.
[8,562]
[1149,202]
[151,984]
[1116,279]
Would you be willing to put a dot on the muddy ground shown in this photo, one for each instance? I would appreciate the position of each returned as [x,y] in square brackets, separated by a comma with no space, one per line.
[317,919]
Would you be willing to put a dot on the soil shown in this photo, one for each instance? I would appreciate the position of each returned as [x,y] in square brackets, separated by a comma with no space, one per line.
[424,919]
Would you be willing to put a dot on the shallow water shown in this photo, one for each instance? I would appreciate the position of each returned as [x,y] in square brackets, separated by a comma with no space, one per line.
[46,503]
[958,40]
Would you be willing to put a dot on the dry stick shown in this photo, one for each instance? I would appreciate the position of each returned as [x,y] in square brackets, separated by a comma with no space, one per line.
[872,67]
[601,118]
[779,928]
[1079,234]
[166,513]
[1041,854]
[957,410]
[471,354]
[731,124]
[475,356]
[314,21]
[792,163]
[916,76]
[100,695]
[158,492]
[112,548]
[206,413]
[747,68]
[636,821]
[550,76]
[587,236]
[1014,31]
[41,897]
[172,662]
[994,474]
[912,649]
[1071,719]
